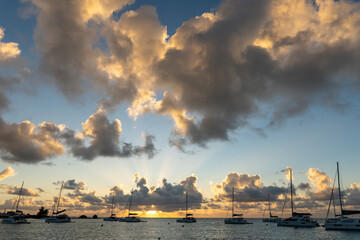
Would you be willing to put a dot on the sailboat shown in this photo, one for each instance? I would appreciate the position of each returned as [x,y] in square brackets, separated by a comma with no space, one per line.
[235,217]
[112,217]
[340,222]
[132,217]
[271,218]
[16,217]
[55,217]
[189,218]
[297,219]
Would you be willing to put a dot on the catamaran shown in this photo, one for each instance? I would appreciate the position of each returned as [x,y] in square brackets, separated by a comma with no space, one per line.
[271,217]
[189,218]
[112,217]
[297,219]
[16,217]
[55,217]
[132,217]
[340,222]
[235,217]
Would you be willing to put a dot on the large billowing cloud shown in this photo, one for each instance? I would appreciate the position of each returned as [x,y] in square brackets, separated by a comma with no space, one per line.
[9,53]
[167,197]
[7,172]
[247,188]
[27,143]
[65,39]
[105,140]
[217,73]
[15,190]
[8,50]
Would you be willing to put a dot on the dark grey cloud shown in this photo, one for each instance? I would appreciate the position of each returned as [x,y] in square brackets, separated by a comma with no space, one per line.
[222,76]
[247,188]
[27,143]
[15,190]
[167,197]
[105,140]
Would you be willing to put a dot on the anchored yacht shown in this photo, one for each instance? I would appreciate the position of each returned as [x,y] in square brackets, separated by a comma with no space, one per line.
[56,216]
[16,217]
[302,220]
[132,217]
[189,218]
[340,221]
[235,217]
[271,217]
[112,217]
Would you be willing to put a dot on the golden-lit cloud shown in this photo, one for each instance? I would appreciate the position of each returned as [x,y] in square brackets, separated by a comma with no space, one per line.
[7,172]
[8,50]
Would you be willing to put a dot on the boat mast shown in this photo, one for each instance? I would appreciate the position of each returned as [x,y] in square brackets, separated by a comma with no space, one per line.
[338,173]
[269,204]
[291,194]
[186,203]
[130,201]
[58,203]
[232,205]
[112,205]
[18,201]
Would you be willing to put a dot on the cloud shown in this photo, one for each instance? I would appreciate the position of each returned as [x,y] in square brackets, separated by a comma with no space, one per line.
[166,198]
[216,74]
[247,188]
[65,35]
[105,140]
[7,172]
[27,143]
[8,50]
[15,190]
[222,70]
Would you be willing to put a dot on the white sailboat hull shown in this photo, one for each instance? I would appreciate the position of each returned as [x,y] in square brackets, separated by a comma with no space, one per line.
[130,219]
[111,219]
[236,221]
[58,219]
[272,220]
[14,220]
[186,220]
[297,223]
[342,224]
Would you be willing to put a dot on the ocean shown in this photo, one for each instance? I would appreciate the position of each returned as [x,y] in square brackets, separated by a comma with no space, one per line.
[164,229]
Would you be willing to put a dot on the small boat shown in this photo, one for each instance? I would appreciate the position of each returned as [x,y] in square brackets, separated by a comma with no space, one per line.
[302,220]
[112,217]
[236,218]
[271,217]
[16,217]
[340,221]
[189,218]
[132,217]
[56,216]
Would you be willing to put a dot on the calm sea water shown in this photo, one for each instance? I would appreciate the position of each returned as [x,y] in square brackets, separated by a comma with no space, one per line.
[164,229]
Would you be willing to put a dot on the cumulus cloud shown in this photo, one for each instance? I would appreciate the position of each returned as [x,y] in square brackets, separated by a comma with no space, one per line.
[27,143]
[217,73]
[15,190]
[9,53]
[166,198]
[8,50]
[7,172]
[65,37]
[247,188]
[105,140]
[220,70]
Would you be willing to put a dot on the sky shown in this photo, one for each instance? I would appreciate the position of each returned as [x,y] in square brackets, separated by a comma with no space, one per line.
[160,97]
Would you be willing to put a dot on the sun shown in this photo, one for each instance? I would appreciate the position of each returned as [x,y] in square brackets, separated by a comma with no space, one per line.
[152,213]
